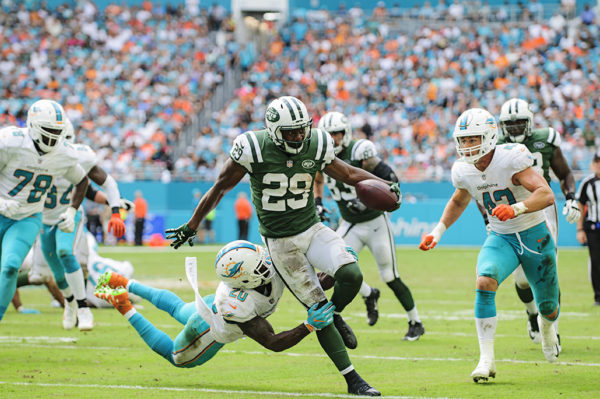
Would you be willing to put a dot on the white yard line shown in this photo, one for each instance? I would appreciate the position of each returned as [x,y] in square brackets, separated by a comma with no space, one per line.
[292,354]
[205,390]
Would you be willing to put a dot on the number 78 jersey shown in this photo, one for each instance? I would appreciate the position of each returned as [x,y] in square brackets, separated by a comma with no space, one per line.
[494,186]
[26,176]
[281,183]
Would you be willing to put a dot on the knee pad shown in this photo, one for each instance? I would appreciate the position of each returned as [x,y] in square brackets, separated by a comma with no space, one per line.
[547,307]
[349,274]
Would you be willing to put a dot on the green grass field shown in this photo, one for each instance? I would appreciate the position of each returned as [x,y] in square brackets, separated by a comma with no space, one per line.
[41,360]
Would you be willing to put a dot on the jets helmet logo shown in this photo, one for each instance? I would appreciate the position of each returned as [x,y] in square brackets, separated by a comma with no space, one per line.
[272,115]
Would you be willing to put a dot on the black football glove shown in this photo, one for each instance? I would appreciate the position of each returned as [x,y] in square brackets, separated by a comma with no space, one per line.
[355,206]
[181,234]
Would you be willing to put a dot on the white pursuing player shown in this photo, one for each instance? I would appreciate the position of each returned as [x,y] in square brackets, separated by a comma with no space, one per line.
[31,159]
[502,180]
[58,247]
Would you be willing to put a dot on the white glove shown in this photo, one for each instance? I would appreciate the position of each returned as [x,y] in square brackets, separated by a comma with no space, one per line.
[127,205]
[571,211]
[67,220]
[8,207]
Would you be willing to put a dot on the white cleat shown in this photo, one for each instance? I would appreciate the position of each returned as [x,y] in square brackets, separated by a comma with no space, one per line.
[484,370]
[550,344]
[85,319]
[70,315]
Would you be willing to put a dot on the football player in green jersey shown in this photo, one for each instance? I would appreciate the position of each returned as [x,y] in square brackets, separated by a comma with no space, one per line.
[516,121]
[361,226]
[282,161]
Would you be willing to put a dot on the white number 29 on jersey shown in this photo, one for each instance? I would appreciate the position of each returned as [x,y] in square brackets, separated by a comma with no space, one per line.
[292,185]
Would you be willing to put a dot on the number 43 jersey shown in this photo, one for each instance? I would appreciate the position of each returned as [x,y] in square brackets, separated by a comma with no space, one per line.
[26,176]
[281,183]
[494,186]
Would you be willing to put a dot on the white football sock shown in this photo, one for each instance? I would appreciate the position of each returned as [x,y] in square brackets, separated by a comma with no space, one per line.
[486,330]
[413,315]
[365,290]
[77,284]
[531,308]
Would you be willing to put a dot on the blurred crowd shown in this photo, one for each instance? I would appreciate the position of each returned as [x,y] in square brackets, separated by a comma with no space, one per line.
[130,78]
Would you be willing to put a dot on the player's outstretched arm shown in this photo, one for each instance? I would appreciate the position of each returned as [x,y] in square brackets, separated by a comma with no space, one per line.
[260,330]
[230,175]
[454,208]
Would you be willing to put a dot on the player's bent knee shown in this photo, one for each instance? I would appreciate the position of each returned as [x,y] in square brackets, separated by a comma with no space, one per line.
[548,309]
[486,283]
[12,262]
[350,274]
[387,276]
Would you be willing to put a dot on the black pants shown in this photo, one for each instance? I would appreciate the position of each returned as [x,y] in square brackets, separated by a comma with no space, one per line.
[243,229]
[593,238]
[139,230]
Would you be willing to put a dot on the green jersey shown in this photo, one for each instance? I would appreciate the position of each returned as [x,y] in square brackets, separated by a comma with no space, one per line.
[342,193]
[281,183]
[541,143]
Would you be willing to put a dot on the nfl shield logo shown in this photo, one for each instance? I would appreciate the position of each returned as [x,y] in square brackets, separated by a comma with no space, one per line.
[289,163]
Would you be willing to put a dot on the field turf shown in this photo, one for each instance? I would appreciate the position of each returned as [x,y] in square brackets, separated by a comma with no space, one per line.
[38,359]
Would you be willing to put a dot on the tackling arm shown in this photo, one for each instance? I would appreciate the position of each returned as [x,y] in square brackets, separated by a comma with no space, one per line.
[260,330]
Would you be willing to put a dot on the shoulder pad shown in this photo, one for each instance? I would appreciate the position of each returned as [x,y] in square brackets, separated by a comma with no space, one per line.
[325,146]
[86,156]
[520,157]
[457,174]
[554,137]
[363,149]
[246,150]
[12,136]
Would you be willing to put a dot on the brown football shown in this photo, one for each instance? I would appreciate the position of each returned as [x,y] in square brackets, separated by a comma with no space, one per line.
[376,195]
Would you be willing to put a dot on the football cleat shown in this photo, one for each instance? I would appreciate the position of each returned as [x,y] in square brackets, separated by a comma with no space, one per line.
[361,387]
[345,331]
[70,315]
[486,368]
[415,330]
[85,319]
[371,302]
[117,297]
[112,279]
[533,328]
[550,344]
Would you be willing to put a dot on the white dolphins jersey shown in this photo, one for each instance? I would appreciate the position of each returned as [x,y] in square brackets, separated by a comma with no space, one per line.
[494,186]
[59,196]
[26,176]
[235,305]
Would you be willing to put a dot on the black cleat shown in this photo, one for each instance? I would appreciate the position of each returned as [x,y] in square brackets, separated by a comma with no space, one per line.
[362,388]
[345,331]
[415,330]
[371,302]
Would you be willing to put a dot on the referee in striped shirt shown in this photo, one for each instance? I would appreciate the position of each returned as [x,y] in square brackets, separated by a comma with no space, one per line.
[588,227]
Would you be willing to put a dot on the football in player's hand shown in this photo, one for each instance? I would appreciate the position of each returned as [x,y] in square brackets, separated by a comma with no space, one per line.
[376,195]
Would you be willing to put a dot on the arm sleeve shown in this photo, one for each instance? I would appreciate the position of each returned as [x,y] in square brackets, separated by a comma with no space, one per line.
[112,192]
[384,171]
[91,193]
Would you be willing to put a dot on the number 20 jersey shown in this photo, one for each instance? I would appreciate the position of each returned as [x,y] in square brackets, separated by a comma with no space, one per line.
[494,186]
[281,183]
[26,176]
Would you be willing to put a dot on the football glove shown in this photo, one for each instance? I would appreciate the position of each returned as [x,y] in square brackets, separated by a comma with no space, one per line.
[116,225]
[319,318]
[126,205]
[321,210]
[395,187]
[571,211]
[8,207]
[430,240]
[505,212]
[181,234]
[355,206]
[67,220]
